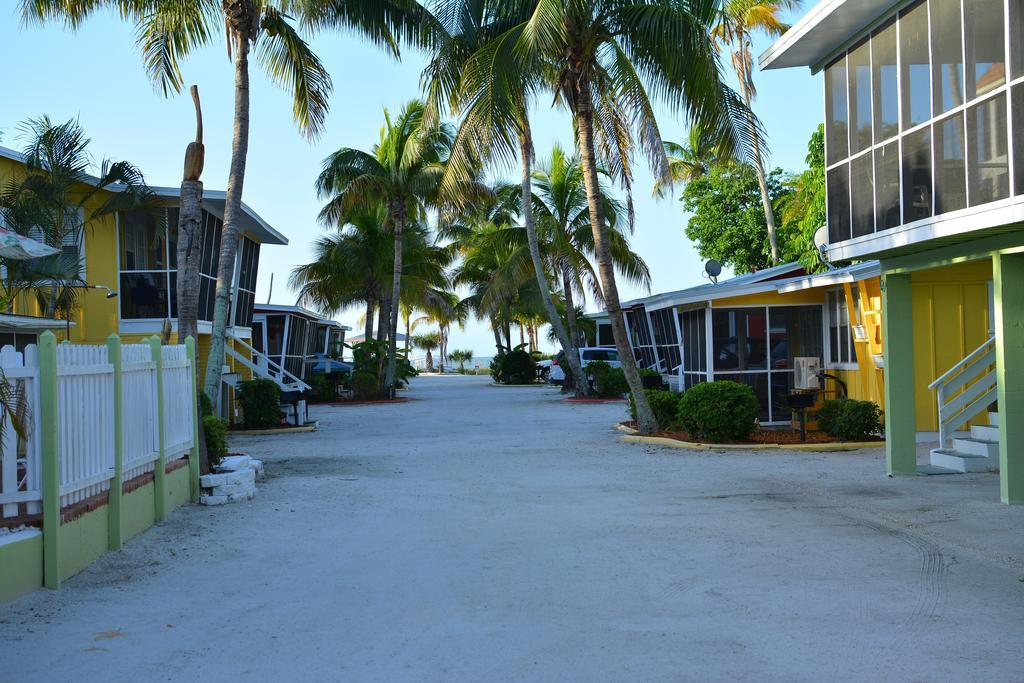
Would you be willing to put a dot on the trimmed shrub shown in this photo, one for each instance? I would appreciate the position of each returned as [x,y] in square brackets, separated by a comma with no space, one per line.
[514,367]
[325,387]
[664,404]
[365,385]
[719,411]
[261,403]
[216,432]
[850,420]
[609,382]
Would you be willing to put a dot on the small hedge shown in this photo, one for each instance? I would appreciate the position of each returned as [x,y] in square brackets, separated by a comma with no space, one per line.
[261,403]
[664,404]
[719,411]
[849,419]
[609,382]
[216,431]
[514,367]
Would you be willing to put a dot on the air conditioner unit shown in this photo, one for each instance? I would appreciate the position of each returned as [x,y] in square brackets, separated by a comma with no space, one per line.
[806,375]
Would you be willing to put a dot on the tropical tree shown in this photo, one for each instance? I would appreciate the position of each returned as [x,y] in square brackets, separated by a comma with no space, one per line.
[167,32]
[443,309]
[54,201]
[690,160]
[402,172]
[738,22]
[602,58]
[495,120]
[461,356]
[804,208]
[428,342]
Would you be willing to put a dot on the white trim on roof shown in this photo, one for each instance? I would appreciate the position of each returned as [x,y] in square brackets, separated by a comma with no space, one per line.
[749,283]
[30,323]
[264,309]
[854,273]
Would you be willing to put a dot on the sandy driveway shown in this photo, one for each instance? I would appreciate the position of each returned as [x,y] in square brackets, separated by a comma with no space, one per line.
[480,533]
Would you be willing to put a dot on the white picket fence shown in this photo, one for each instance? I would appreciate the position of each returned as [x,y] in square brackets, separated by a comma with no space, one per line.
[85,410]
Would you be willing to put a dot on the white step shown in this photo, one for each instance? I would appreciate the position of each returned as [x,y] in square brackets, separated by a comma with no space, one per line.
[962,462]
[985,432]
[993,418]
[982,447]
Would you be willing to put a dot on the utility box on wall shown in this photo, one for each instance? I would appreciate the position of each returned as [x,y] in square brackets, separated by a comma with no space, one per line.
[806,373]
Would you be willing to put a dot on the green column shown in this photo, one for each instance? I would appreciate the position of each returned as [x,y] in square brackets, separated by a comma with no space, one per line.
[160,467]
[114,531]
[46,423]
[898,333]
[193,456]
[1008,276]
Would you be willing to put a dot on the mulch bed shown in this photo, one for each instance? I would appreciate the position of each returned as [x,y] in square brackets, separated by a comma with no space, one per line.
[763,436]
[574,399]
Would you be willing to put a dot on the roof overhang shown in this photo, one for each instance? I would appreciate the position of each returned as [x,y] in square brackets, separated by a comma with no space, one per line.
[831,278]
[213,201]
[765,280]
[823,30]
[29,323]
[285,309]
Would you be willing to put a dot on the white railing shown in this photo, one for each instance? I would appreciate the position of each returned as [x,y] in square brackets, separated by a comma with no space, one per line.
[86,407]
[265,367]
[966,390]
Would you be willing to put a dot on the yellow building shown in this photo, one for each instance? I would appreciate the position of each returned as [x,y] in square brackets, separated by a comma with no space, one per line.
[128,274]
[761,322]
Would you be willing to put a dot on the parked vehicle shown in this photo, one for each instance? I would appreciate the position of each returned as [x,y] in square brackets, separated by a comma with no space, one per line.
[588,354]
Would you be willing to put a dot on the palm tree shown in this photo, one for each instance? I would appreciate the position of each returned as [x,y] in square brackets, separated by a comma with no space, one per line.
[442,309]
[402,172]
[738,21]
[492,128]
[560,202]
[50,202]
[428,342]
[167,32]
[461,356]
[691,160]
[601,58]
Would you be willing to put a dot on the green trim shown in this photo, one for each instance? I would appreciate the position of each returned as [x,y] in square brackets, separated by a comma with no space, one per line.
[47,424]
[974,250]
[84,540]
[1008,284]
[114,497]
[159,467]
[898,333]
[139,507]
[22,562]
[193,455]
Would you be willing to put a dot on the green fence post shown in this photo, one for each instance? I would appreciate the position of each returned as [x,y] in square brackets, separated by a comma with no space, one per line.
[193,456]
[160,468]
[114,531]
[1008,276]
[46,423]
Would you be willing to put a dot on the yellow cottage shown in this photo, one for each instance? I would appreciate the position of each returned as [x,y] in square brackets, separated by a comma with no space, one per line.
[129,275]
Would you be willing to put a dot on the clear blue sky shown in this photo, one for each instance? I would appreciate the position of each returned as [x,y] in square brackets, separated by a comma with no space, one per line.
[96,75]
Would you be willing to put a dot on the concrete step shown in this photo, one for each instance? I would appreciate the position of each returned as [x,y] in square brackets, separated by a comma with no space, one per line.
[972,446]
[993,418]
[962,462]
[929,470]
[985,432]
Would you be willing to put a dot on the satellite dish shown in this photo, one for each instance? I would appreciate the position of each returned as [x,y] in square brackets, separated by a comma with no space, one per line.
[713,269]
[821,245]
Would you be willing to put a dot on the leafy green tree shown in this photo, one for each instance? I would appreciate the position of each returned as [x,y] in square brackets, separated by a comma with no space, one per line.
[803,210]
[727,221]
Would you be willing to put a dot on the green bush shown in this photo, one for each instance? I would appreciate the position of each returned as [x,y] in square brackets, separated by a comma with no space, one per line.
[325,387]
[514,367]
[216,431]
[849,419]
[261,403]
[609,382]
[664,404]
[369,358]
[205,405]
[719,411]
[365,385]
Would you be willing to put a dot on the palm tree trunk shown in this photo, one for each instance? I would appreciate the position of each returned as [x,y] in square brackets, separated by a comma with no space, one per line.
[746,87]
[408,333]
[570,304]
[646,422]
[382,319]
[572,353]
[190,242]
[398,220]
[497,334]
[368,323]
[232,211]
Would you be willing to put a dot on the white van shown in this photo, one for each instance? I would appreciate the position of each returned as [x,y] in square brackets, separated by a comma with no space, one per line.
[588,354]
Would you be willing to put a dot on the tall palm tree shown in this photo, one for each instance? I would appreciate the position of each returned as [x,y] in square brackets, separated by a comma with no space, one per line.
[560,202]
[403,172]
[602,58]
[738,22]
[167,32]
[492,129]
[427,341]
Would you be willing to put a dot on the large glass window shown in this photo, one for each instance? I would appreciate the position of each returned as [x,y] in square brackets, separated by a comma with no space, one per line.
[836,112]
[986,55]
[947,55]
[862,195]
[885,82]
[915,66]
[917,175]
[887,186]
[989,177]
[840,332]
[950,167]
[839,204]
[665,338]
[145,287]
[859,67]
[246,292]
[1018,140]
[739,338]
[1016,22]
[695,347]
